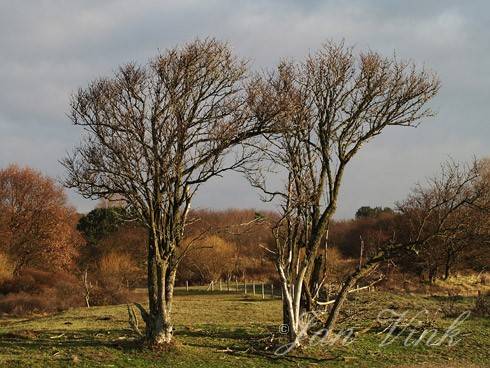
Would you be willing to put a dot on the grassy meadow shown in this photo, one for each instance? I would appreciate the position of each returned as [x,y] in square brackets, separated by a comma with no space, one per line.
[223,329]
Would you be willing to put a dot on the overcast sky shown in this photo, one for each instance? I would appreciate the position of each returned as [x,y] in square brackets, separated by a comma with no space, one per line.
[50,48]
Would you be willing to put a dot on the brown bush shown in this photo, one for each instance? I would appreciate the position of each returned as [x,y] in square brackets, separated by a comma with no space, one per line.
[211,258]
[110,282]
[482,305]
[242,232]
[110,294]
[117,268]
[259,269]
[34,281]
[125,248]
[338,267]
[21,303]
[35,291]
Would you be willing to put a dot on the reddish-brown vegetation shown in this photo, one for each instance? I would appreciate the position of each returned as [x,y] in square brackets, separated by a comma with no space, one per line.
[37,227]
[43,257]
[36,291]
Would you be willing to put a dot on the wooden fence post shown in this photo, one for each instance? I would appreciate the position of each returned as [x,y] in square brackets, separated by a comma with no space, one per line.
[220,286]
[263,294]
[187,286]
[272,291]
[245,285]
[236,284]
[253,287]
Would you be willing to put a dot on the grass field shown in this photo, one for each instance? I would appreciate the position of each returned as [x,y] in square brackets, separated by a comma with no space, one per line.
[232,330]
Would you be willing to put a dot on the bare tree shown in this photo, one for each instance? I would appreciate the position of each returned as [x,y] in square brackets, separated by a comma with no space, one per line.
[466,228]
[426,215]
[153,135]
[330,106]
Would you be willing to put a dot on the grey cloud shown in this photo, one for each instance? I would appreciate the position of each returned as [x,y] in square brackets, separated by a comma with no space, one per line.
[50,48]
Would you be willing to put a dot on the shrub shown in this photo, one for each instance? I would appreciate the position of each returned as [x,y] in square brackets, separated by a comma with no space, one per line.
[259,269]
[209,259]
[23,303]
[36,291]
[106,294]
[109,283]
[117,268]
[450,307]
[482,305]
[338,266]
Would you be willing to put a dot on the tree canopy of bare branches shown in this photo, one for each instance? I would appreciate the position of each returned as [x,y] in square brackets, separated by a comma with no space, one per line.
[153,135]
[427,215]
[330,105]
[454,212]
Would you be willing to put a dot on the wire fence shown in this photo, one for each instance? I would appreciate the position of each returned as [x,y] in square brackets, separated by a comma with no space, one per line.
[253,288]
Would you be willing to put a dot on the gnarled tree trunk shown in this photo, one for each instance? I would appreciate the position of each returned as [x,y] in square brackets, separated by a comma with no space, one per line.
[161,279]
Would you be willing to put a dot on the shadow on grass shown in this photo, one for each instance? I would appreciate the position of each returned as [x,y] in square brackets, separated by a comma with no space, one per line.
[236,342]
[61,339]
[243,342]
[453,298]
[114,338]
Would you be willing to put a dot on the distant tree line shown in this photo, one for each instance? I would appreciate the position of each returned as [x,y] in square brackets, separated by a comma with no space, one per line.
[106,245]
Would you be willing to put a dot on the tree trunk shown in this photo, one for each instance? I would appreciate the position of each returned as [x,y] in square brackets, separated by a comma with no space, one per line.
[432,273]
[447,266]
[285,314]
[311,283]
[289,315]
[161,279]
[292,305]
[159,329]
[314,273]
[339,301]
[87,286]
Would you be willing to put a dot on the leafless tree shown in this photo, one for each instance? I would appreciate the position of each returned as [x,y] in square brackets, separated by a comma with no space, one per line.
[330,106]
[153,135]
[465,229]
[426,215]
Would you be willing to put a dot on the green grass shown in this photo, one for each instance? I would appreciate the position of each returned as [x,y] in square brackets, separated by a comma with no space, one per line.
[231,330]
